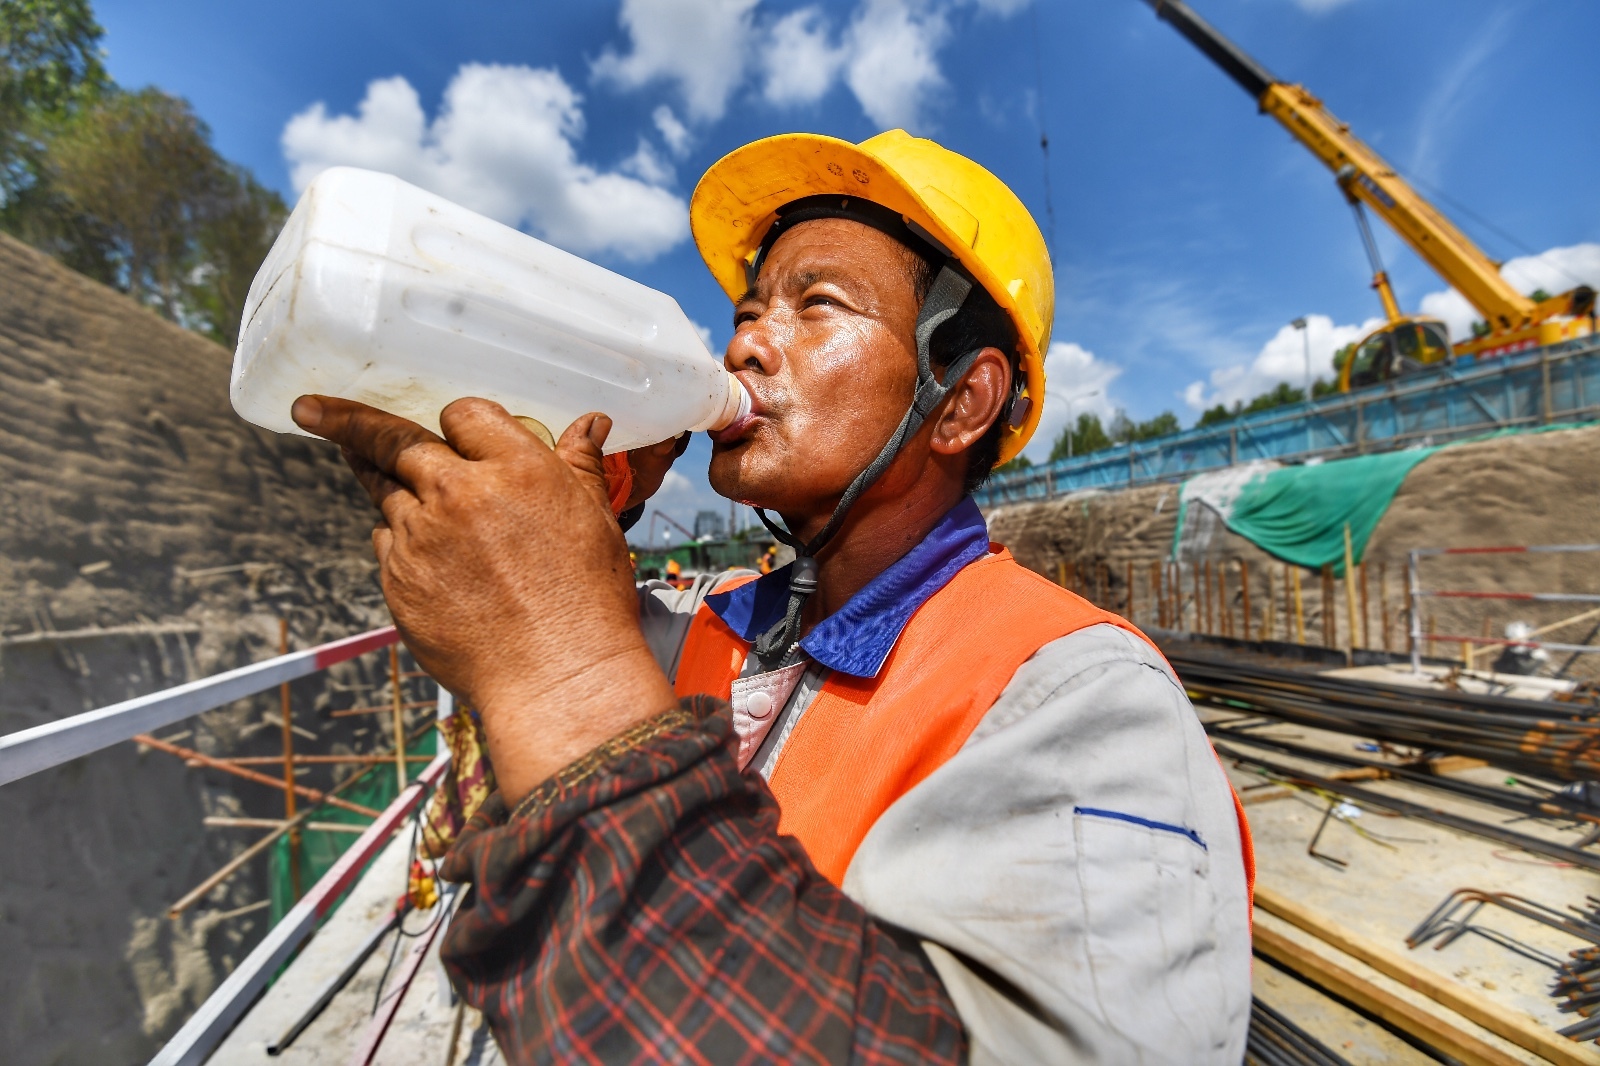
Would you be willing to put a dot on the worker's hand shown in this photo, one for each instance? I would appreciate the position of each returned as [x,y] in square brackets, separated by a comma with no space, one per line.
[506,575]
[650,465]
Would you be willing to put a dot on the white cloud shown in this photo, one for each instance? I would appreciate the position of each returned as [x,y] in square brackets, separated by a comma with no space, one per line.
[887,53]
[675,133]
[1076,383]
[799,59]
[893,67]
[1281,359]
[1555,271]
[502,144]
[647,165]
[700,44]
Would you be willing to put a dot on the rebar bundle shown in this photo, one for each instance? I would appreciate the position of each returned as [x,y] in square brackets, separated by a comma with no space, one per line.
[1551,740]
[1276,1041]
[1577,982]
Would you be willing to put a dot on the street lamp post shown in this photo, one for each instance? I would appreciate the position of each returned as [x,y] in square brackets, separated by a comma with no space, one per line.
[1070,401]
[1305,335]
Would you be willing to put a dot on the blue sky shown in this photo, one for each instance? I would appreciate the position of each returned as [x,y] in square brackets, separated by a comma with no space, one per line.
[1188,229]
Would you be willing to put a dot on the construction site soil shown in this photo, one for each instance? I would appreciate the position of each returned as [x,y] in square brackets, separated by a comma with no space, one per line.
[1526,489]
[148,536]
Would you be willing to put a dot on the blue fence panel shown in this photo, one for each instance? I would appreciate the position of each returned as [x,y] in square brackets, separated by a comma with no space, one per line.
[1440,404]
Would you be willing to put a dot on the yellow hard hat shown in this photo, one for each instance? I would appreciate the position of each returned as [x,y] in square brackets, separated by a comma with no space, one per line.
[962,206]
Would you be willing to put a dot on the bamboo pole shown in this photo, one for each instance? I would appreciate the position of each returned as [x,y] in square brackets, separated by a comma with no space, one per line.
[1225,594]
[1244,592]
[1272,604]
[319,760]
[1061,573]
[1383,601]
[1155,594]
[215,821]
[1329,615]
[399,716]
[1366,610]
[285,712]
[386,709]
[1132,609]
[234,864]
[1199,599]
[1349,591]
[192,756]
[1299,605]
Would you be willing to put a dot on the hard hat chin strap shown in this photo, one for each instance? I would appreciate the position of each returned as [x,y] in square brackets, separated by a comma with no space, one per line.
[779,646]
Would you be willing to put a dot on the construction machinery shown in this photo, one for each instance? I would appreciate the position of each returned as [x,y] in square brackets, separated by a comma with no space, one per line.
[1511,321]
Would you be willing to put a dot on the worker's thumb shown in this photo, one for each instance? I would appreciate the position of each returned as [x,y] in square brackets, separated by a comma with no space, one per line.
[579,447]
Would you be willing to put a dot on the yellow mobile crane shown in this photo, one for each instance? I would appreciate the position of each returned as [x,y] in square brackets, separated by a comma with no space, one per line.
[1514,321]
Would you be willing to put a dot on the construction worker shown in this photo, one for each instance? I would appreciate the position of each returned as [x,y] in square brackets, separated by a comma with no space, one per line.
[899,801]
[674,574]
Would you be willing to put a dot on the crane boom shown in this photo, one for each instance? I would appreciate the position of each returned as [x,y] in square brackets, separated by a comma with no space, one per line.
[1364,176]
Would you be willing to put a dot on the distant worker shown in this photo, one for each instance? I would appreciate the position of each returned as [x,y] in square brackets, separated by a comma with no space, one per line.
[901,800]
[675,574]
[768,558]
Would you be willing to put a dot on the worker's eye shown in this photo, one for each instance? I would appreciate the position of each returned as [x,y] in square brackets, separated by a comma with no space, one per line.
[821,299]
[741,317]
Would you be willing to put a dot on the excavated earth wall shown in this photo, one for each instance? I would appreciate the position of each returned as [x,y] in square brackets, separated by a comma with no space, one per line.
[122,470]
[1528,489]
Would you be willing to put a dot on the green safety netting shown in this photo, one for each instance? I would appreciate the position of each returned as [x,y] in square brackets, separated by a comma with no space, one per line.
[1299,513]
[320,849]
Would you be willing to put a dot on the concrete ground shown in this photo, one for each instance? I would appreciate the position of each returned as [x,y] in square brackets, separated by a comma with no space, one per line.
[1397,871]
[420,1034]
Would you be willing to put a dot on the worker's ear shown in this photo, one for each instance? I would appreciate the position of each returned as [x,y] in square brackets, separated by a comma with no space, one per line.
[973,405]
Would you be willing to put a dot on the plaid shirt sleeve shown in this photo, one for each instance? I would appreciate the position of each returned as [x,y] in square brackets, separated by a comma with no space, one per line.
[641,907]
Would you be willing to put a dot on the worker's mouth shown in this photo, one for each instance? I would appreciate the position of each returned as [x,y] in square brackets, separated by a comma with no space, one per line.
[740,428]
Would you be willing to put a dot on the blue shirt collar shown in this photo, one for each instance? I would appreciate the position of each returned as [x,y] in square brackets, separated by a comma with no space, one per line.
[857,638]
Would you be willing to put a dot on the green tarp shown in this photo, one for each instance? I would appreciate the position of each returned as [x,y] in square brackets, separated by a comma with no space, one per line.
[1299,513]
[321,848]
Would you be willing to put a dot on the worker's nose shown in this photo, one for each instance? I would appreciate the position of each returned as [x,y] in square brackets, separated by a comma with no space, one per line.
[753,348]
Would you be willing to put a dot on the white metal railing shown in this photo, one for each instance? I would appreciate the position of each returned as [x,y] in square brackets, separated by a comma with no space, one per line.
[208,1026]
[28,751]
[1418,594]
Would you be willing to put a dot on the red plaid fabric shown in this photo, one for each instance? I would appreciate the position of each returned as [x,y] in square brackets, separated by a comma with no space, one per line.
[640,907]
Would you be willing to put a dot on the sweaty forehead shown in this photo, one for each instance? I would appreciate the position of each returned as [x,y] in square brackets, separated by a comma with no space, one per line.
[839,250]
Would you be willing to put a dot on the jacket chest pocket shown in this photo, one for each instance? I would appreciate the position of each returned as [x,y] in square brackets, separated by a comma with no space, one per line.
[1151,932]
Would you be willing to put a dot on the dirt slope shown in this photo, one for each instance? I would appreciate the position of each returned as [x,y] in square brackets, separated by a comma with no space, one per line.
[1539,488]
[122,467]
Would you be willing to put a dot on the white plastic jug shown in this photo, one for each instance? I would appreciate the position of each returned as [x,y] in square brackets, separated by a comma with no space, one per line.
[380,292]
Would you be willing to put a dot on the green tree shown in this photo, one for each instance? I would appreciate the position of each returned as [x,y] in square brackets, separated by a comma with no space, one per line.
[1087,436]
[141,167]
[1281,395]
[49,65]
[1214,416]
[1124,429]
[236,231]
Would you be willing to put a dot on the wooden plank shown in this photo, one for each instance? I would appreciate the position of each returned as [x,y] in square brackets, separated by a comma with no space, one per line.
[1520,1028]
[1434,1030]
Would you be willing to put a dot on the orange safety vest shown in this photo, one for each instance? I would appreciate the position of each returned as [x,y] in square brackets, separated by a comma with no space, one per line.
[866,741]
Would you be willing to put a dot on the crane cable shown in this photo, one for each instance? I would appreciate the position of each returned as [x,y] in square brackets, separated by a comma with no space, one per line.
[1044,137]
